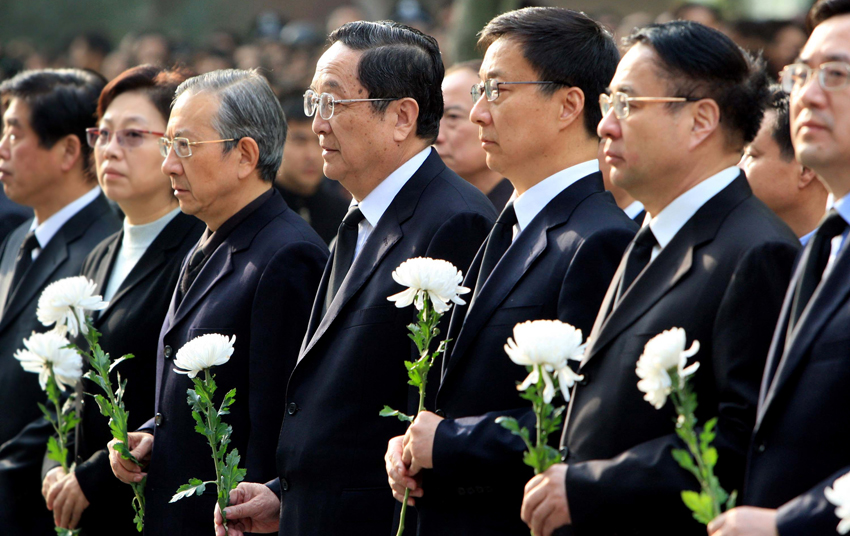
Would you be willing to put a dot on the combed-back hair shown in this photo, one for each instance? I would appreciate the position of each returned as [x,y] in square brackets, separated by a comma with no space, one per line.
[704,63]
[564,46]
[826,9]
[248,109]
[158,84]
[62,102]
[398,62]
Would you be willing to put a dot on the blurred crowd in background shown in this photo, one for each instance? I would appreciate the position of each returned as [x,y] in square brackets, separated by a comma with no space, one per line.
[286,50]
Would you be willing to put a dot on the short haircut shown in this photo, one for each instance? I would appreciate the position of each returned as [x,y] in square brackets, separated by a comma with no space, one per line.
[469,65]
[826,9]
[564,46]
[398,62]
[248,109]
[781,128]
[156,83]
[293,107]
[704,63]
[62,102]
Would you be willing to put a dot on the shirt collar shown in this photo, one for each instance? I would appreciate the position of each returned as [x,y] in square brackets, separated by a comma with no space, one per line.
[669,221]
[376,203]
[633,209]
[46,230]
[842,206]
[532,201]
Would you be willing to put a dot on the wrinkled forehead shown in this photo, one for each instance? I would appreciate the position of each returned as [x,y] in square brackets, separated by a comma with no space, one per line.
[192,115]
[830,41]
[336,71]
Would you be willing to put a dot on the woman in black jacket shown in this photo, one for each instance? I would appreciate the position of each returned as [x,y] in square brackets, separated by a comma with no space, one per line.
[136,271]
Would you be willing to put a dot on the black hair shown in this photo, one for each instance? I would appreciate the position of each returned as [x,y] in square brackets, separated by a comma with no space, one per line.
[398,62]
[781,129]
[701,62]
[293,107]
[157,83]
[826,9]
[61,102]
[564,46]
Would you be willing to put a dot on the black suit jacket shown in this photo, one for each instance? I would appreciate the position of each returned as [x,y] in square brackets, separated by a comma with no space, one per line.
[129,325]
[258,285]
[330,456]
[799,444]
[721,278]
[23,432]
[558,268]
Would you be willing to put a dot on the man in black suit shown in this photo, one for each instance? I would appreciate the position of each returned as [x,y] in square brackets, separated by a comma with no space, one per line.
[711,259]
[799,445]
[558,253]
[253,275]
[407,203]
[45,164]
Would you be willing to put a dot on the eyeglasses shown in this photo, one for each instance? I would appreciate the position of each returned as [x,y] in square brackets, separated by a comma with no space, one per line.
[325,102]
[490,88]
[619,101]
[128,137]
[832,76]
[182,146]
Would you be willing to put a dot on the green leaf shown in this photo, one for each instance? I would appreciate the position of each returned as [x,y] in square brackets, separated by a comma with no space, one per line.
[685,461]
[54,452]
[709,456]
[122,449]
[508,423]
[699,504]
[390,412]
[194,487]
[733,498]
[708,434]
[119,361]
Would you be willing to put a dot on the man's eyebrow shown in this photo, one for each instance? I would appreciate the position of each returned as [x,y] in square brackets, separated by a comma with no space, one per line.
[455,107]
[828,57]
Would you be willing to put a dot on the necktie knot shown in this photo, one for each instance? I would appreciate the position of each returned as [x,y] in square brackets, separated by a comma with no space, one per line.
[832,225]
[645,238]
[508,215]
[29,244]
[353,217]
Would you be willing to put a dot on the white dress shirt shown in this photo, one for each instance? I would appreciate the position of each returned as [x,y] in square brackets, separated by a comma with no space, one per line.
[136,240]
[842,206]
[532,201]
[48,229]
[633,209]
[674,216]
[376,203]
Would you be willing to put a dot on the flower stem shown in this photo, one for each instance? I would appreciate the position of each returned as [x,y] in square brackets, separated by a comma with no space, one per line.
[58,426]
[211,436]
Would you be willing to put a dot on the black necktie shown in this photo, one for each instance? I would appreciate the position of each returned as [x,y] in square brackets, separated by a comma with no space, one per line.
[23,261]
[194,266]
[819,250]
[639,257]
[498,243]
[346,244]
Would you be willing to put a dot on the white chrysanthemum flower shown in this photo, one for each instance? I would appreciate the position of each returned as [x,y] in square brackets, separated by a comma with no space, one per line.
[839,495]
[46,350]
[546,346]
[438,278]
[204,352]
[65,303]
[663,353]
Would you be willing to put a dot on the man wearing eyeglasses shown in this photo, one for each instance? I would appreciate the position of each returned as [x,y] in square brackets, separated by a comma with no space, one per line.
[45,164]
[376,106]
[710,258]
[550,256]
[799,445]
[252,276]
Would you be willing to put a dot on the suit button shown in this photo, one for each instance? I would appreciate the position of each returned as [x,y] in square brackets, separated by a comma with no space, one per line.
[585,380]
[284,485]
[565,453]
[292,408]
[167,351]
[158,419]
[440,413]
[761,447]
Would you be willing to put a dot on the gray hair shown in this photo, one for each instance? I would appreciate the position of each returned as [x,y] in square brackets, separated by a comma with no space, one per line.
[248,109]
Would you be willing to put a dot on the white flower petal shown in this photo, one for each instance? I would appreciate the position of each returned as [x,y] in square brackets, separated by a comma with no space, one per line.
[530,380]
[566,379]
[65,302]
[839,495]
[548,387]
[664,353]
[203,352]
[45,350]
[440,279]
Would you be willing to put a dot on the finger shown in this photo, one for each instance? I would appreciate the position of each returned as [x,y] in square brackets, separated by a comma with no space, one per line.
[239,511]
[540,516]
[143,447]
[76,514]
[64,512]
[530,502]
[550,525]
[53,493]
[716,524]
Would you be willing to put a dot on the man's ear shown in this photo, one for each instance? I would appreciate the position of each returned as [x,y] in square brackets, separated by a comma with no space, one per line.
[806,177]
[706,120]
[249,156]
[406,114]
[572,104]
[69,150]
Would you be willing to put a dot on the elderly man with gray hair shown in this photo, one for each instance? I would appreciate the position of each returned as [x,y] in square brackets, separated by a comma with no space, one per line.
[253,274]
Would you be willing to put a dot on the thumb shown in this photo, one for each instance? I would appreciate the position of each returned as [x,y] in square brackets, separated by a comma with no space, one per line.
[238,511]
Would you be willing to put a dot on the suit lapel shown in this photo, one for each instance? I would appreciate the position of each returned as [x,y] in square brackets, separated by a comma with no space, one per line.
[828,297]
[669,267]
[7,264]
[382,239]
[518,259]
